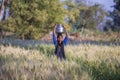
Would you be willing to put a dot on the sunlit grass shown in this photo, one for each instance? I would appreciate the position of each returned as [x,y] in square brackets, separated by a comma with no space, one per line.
[84,62]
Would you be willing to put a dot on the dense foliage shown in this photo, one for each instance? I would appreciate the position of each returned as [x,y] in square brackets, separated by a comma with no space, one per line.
[115,14]
[30,19]
[90,16]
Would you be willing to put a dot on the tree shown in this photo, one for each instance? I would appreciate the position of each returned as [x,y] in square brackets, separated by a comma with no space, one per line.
[74,7]
[87,16]
[31,19]
[116,15]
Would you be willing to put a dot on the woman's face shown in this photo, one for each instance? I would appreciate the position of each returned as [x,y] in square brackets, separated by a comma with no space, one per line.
[60,38]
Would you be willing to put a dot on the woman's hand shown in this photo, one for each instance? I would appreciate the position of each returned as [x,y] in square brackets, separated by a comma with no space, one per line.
[64,27]
[65,31]
[54,30]
[56,26]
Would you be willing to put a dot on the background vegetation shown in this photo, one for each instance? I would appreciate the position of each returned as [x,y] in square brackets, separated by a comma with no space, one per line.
[31,19]
[115,14]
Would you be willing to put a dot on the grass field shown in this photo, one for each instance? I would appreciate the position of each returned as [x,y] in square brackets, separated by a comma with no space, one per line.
[84,62]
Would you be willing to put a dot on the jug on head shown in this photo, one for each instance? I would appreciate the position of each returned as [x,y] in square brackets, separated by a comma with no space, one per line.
[60,29]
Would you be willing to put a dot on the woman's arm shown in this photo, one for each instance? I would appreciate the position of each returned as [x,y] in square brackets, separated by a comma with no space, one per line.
[54,30]
[66,38]
[54,35]
[65,31]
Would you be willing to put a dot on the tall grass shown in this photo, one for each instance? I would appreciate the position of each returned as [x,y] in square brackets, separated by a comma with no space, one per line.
[84,62]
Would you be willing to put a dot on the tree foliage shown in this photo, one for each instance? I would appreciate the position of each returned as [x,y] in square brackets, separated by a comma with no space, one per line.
[31,19]
[87,16]
[116,15]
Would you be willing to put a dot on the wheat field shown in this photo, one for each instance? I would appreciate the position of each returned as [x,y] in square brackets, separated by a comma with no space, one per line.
[84,62]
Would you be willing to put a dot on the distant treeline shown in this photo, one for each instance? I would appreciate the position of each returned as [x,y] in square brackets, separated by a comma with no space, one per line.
[31,19]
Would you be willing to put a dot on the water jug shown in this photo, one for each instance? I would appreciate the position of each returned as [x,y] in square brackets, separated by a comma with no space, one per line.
[60,29]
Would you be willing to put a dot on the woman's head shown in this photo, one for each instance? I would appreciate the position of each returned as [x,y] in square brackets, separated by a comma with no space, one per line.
[59,37]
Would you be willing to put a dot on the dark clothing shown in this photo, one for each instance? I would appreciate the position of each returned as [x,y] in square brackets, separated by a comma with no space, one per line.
[59,51]
[59,48]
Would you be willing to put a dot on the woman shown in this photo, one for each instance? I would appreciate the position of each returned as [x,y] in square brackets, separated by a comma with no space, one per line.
[59,43]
